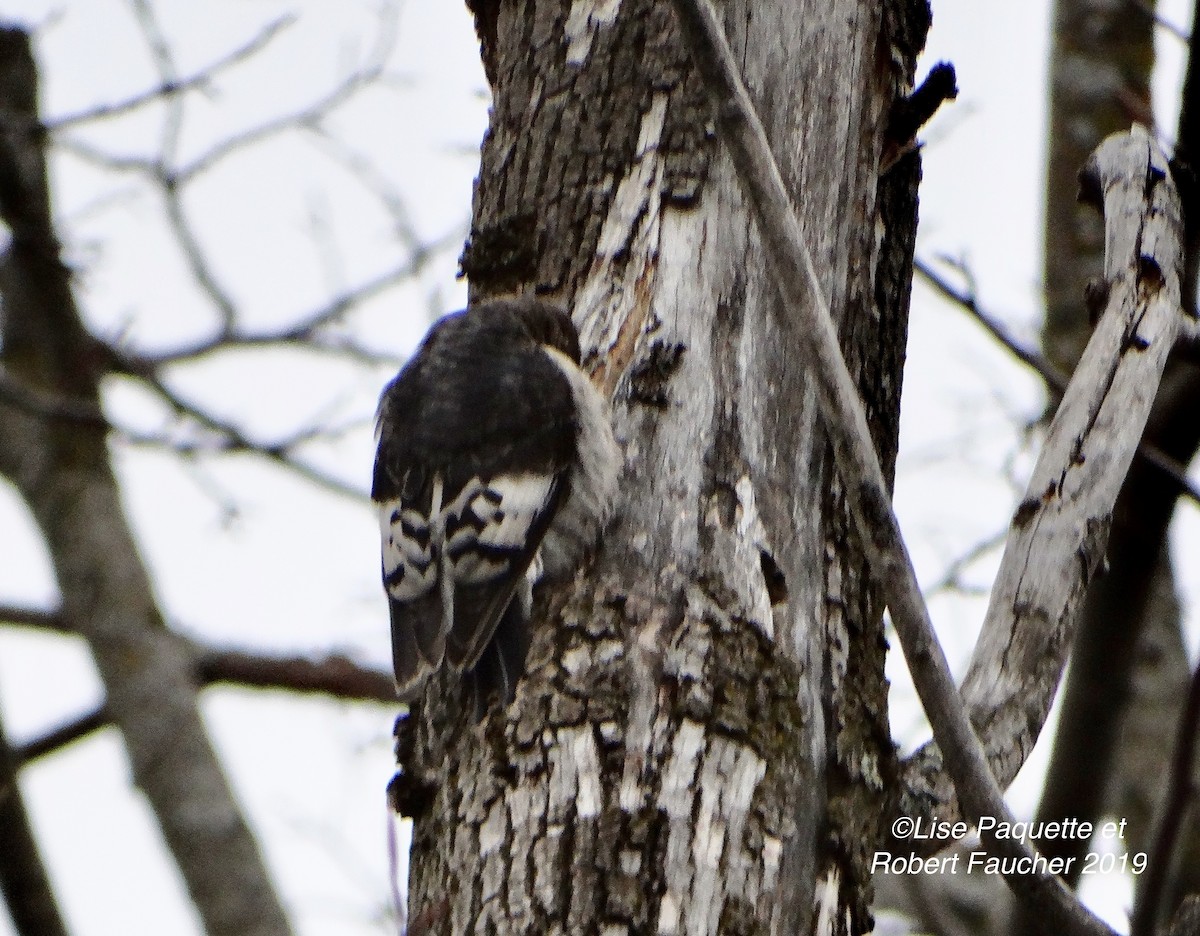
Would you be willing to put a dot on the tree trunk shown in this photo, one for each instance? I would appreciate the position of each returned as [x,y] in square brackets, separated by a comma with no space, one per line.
[700,743]
[57,459]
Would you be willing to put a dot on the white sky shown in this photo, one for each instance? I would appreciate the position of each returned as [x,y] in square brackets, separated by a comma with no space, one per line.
[296,571]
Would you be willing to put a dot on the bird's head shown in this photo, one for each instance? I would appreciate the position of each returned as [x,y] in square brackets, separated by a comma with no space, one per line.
[544,322]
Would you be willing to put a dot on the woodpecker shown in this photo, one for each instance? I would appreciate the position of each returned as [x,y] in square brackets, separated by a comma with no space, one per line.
[496,467]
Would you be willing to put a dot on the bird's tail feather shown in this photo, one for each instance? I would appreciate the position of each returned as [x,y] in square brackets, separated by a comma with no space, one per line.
[418,641]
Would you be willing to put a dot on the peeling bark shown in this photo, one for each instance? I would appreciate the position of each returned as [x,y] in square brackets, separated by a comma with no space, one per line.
[701,737]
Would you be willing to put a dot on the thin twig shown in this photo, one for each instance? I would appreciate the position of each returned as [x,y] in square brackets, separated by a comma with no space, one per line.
[235,440]
[1055,379]
[305,330]
[58,738]
[310,116]
[335,675]
[867,492]
[164,61]
[194,255]
[166,89]
[230,439]
[109,162]
[302,118]
[952,576]
[363,171]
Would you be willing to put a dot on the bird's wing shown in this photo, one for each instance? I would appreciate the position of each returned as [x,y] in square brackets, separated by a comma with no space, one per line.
[476,437]
[492,533]
[452,560]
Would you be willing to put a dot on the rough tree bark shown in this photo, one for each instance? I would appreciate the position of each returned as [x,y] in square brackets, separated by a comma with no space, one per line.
[60,467]
[700,744]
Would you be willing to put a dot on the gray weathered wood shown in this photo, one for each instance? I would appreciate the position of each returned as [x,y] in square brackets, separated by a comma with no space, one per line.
[811,324]
[1060,528]
[684,755]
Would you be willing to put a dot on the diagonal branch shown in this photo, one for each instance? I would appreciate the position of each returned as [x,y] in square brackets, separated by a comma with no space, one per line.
[24,883]
[1060,529]
[1151,316]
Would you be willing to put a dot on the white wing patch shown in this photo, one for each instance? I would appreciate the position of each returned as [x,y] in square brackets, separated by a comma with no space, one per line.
[476,537]
[488,525]
[409,570]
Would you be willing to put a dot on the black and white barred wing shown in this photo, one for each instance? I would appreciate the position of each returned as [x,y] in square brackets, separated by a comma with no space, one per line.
[453,561]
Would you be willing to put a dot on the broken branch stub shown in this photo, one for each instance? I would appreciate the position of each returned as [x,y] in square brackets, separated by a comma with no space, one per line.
[1059,530]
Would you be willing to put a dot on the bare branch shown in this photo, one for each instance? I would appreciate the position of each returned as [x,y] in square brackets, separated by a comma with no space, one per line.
[304,118]
[24,884]
[845,422]
[33,617]
[64,734]
[140,165]
[103,580]
[1061,527]
[171,180]
[310,116]
[42,403]
[334,675]
[168,177]
[232,439]
[969,301]
[200,80]
[195,256]
[306,331]
[952,576]
[374,181]
[1053,377]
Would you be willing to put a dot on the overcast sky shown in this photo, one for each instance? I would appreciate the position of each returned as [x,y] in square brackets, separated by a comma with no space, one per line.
[246,556]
